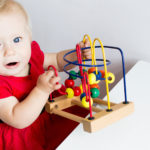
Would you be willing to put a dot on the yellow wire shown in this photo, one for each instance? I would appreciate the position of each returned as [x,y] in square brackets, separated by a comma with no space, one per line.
[92,51]
[105,68]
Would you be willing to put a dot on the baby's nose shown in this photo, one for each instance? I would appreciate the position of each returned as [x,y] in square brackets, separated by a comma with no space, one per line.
[8,51]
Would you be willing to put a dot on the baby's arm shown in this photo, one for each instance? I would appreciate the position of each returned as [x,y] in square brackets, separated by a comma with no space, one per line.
[56,59]
[22,114]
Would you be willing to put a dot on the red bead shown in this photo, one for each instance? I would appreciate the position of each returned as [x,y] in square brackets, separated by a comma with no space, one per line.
[69,83]
[77,91]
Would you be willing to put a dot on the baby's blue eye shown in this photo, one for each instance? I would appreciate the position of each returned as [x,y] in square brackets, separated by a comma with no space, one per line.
[17,39]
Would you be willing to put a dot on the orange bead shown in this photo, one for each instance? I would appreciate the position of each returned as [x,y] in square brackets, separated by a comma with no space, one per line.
[94,86]
[91,70]
[103,73]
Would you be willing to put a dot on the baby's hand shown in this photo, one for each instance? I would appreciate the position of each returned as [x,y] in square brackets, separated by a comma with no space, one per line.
[48,82]
[87,52]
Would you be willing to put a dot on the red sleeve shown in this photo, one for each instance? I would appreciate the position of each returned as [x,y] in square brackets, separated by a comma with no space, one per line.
[37,56]
[5,89]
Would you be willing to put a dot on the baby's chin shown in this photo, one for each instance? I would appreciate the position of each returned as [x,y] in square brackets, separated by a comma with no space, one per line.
[17,72]
[10,73]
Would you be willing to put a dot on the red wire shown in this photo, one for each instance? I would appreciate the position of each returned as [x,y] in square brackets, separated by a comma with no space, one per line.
[56,74]
[78,50]
[50,96]
[88,93]
[84,79]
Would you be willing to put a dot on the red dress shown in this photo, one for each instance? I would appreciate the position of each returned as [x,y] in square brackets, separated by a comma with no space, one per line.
[47,131]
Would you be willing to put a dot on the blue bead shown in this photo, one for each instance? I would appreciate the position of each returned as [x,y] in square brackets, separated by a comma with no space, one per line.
[98,76]
[82,95]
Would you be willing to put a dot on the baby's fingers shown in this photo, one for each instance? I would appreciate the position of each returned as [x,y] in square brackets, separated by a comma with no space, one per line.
[87,43]
[49,74]
[81,44]
[57,86]
[54,80]
[87,53]
[88,56]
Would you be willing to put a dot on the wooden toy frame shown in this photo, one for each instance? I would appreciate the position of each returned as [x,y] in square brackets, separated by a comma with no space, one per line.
[102,118]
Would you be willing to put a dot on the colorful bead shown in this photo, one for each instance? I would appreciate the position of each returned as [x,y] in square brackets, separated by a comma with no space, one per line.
[71,76]
[77,91]
[102,73]
[92,78]
[82,95]
[85,103]
[69,83]
[98,75]
[111,77]
[91,70]
[95,92]
[94,86]
[70,92]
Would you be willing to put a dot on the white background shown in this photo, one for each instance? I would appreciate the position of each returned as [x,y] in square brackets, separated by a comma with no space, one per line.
[60,24]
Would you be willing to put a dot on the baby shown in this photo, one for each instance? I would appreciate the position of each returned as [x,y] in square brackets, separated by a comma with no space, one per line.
[24,84]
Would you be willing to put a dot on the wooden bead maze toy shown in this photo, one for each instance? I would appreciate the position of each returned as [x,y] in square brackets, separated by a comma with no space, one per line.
[88,92]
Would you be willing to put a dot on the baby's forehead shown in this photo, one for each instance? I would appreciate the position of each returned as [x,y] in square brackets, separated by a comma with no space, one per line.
[13,22]
[11,18]
[12,25]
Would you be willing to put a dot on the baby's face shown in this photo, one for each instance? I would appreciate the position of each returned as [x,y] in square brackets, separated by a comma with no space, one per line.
[15,44]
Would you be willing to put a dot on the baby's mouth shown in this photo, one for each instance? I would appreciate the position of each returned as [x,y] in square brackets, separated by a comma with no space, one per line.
[12,65]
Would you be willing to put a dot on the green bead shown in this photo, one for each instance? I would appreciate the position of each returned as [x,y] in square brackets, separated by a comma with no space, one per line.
[95,92]
[84,70]
[74,73]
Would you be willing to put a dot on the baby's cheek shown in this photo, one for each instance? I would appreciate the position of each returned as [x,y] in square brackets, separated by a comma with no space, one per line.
[25,55]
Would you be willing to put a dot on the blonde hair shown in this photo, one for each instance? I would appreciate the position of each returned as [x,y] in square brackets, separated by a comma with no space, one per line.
[7,6]
[2,3]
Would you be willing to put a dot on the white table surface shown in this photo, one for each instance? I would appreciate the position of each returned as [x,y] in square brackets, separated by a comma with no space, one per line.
[130,133]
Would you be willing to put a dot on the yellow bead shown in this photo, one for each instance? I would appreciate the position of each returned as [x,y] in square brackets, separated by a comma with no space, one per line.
[97,82]
[85,103]
[92,79]
[111,77]
[70,92]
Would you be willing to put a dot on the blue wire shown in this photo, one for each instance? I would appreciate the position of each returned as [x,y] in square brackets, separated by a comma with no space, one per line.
[111,47]
[75,63]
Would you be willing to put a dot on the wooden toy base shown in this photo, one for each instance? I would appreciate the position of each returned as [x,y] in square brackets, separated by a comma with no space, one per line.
[102,118]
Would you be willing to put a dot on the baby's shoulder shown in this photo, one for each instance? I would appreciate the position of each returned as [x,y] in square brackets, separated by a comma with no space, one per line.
[37,55]
[4,82]
[5,88]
